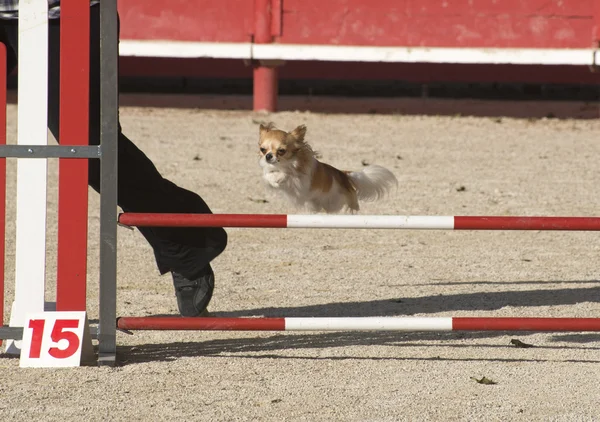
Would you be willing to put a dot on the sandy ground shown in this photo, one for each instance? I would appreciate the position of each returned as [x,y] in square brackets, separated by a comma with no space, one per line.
[446,166]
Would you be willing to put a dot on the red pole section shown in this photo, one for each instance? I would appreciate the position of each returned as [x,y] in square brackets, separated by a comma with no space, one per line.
[265,77]
[209,324]
[73,173]
[265,87]
[203,220]
[2,177]
[525,324]
[526,223]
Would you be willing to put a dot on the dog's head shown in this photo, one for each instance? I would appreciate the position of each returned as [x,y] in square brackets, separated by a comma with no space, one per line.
[279,147]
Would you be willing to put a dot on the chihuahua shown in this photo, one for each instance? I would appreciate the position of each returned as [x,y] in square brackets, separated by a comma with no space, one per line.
[289,165]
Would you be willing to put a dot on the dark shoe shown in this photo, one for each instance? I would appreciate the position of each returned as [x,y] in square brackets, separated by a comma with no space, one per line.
[193,296]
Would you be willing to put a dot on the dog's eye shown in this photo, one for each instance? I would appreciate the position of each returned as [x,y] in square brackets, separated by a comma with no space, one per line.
[281,151]
[263,150]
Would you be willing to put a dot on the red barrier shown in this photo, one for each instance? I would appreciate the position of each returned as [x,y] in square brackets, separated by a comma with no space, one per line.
[223,21]
[432,23]
[416,23]
[300,29]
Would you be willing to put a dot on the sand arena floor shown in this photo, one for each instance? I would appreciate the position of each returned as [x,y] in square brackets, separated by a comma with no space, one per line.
[446,166]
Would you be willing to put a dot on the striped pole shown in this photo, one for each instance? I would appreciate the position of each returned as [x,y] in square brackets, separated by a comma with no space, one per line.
[327,221]
[360,324]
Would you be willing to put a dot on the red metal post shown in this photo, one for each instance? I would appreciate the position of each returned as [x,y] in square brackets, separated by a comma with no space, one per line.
[265,88]
[73,173]
[265,74]
[2,177]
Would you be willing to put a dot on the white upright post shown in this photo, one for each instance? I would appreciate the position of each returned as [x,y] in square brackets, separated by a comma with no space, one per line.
[32,126]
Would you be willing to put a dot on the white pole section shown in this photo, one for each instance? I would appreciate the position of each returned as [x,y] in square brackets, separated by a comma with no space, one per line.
[32,129]
[370,221]
[369,323]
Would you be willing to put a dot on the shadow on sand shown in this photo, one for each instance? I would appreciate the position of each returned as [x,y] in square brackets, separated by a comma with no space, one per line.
[267,347]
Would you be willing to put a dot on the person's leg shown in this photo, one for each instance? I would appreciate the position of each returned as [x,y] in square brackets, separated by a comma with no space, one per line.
[11,56]
[142,189]
[186,252]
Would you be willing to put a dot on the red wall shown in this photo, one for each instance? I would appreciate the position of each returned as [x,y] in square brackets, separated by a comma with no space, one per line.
[442,23]
[187,20]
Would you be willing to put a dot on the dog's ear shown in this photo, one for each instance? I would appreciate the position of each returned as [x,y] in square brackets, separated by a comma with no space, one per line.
[298,133]
[263,129]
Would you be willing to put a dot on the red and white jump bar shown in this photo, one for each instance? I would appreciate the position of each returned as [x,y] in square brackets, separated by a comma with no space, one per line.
[329,221]
[360,324]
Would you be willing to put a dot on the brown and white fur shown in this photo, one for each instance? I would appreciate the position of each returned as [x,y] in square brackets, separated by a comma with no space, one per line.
[289,165]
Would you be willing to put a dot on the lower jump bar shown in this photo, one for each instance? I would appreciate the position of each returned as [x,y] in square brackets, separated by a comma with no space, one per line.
[360,324]
[329,221]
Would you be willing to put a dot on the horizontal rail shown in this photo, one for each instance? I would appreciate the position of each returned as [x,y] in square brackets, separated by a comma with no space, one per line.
[328,221]
[361,324]
[50,151]
[460,55]
[357,53]
[11,333]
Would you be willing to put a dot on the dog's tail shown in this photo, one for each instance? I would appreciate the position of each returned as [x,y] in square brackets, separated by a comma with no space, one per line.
[373,182]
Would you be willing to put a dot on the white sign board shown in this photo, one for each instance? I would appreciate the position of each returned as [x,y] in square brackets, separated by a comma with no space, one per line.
[56,339]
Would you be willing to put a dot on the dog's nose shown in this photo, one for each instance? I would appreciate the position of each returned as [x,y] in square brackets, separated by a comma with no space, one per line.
[269,156]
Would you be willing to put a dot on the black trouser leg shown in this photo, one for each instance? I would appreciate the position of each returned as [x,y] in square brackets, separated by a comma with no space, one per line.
[141,188]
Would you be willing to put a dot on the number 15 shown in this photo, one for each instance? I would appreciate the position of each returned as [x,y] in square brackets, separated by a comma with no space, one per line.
[37,326]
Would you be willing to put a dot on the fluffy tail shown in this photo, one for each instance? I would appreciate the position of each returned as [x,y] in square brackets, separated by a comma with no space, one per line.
[373,182]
